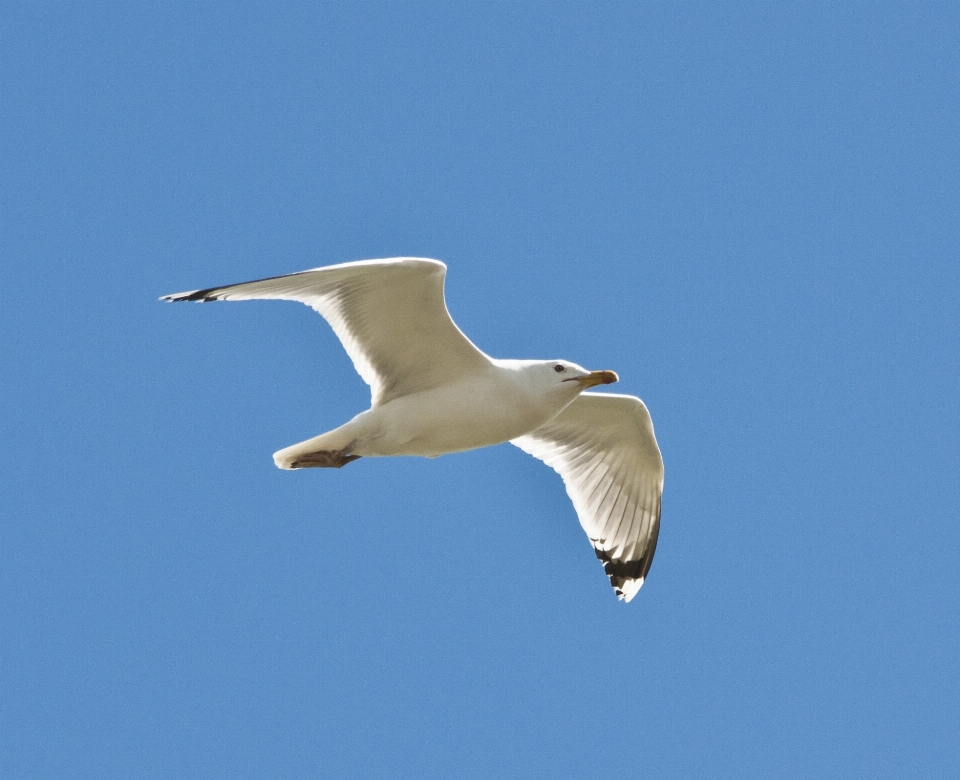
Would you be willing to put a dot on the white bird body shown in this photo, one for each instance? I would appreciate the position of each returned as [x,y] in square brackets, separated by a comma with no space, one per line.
[482,409]
[434,393]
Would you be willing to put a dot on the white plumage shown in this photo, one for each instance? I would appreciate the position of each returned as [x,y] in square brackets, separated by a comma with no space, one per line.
[433,392]
[604,449]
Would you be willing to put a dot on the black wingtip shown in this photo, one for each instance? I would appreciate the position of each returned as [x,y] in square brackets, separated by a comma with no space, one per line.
[621,572]
[198,296]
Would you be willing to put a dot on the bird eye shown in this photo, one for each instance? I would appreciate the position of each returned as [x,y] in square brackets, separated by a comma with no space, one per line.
[559,369]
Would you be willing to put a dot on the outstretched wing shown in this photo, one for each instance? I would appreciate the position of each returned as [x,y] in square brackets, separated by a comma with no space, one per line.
[603,447]
[390,316]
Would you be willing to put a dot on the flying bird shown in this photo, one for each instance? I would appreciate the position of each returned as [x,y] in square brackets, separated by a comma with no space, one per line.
[433,392]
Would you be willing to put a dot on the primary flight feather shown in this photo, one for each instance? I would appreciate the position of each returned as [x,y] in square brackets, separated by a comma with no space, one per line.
[433,392]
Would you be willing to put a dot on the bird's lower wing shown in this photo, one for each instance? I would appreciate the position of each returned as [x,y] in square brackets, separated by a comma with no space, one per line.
[390,316]
[603,447]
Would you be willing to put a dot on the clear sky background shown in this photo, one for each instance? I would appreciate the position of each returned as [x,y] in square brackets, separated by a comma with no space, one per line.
[751,212]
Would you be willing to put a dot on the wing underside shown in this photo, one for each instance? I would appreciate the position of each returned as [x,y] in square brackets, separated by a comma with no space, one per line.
[390,316]
[603,447]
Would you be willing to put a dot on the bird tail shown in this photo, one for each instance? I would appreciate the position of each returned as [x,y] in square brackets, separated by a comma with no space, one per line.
[332,448]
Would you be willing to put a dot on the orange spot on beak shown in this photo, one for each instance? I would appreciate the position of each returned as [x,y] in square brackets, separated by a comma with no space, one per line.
[595,378]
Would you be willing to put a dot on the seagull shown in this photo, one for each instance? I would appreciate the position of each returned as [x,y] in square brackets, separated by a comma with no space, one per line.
[433,393]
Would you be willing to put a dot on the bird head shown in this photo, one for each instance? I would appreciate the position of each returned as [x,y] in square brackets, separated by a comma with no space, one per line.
[569,378]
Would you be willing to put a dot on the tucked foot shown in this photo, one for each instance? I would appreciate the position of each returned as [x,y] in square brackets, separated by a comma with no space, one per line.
[324,459]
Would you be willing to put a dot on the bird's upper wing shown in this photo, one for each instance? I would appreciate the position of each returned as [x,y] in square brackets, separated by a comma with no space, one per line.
[603,447]
[390,316]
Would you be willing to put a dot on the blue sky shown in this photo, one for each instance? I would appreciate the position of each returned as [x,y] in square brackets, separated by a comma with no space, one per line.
[750,212]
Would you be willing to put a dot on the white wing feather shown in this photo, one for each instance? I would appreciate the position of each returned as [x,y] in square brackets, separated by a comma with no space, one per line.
[603,447]
[390,316]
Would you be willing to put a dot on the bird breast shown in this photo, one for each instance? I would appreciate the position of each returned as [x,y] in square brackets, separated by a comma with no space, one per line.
[463,416]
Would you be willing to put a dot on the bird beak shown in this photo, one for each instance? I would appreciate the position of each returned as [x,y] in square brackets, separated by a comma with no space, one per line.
[595,378]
